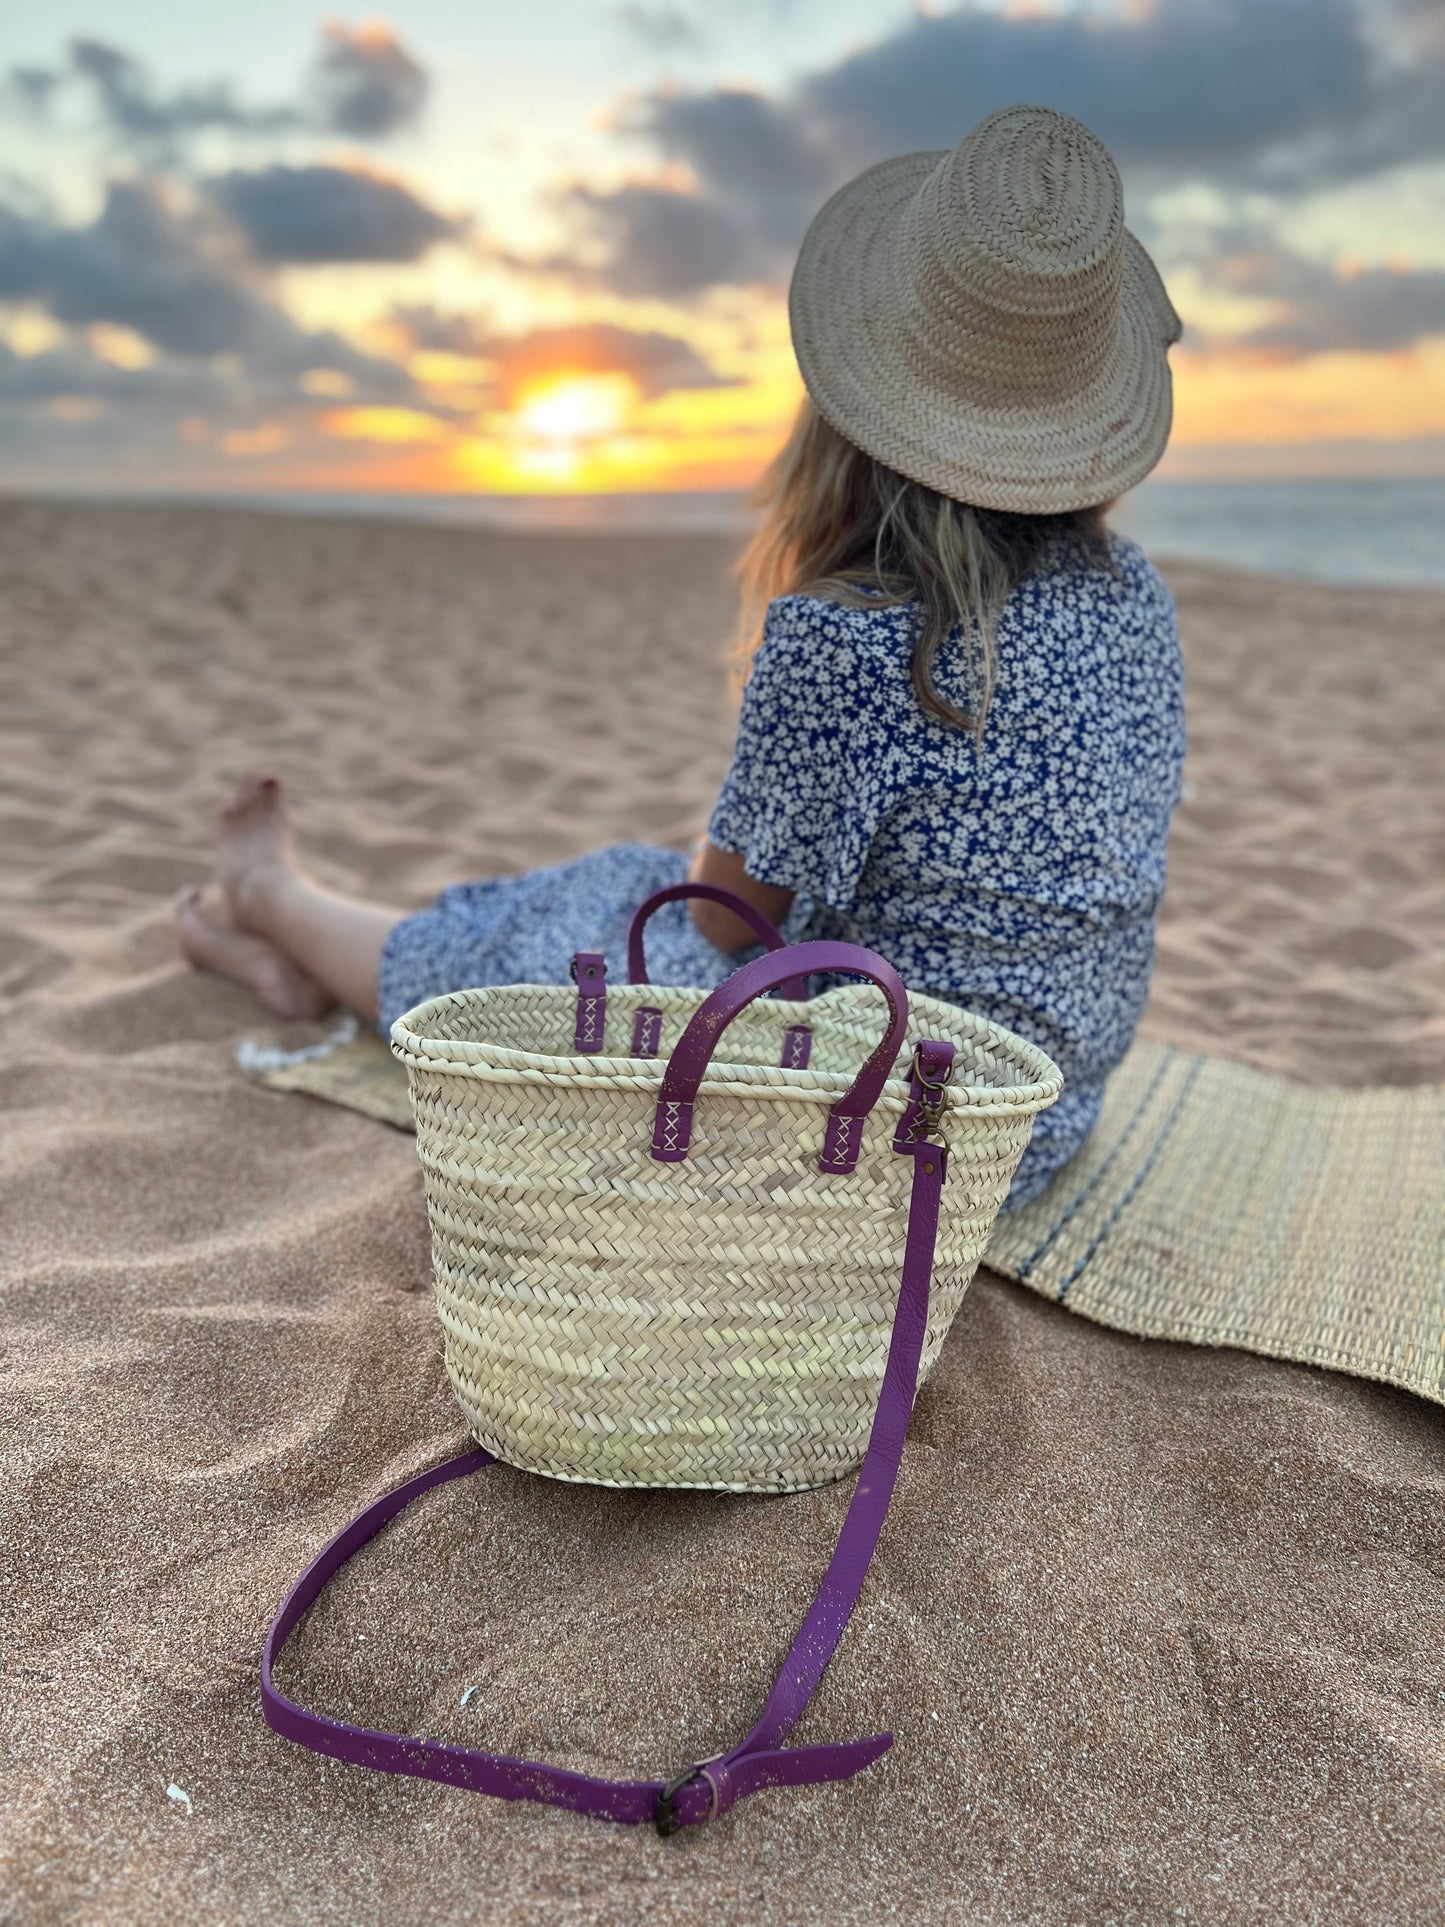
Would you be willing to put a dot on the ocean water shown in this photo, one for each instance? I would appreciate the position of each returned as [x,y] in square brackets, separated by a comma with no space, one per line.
[1375,530]
[1370,530]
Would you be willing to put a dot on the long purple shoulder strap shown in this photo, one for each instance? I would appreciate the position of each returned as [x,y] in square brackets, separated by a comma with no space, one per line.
[706,1788]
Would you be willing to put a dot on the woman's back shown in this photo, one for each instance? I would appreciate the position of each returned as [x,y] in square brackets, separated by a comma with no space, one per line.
[1020,878]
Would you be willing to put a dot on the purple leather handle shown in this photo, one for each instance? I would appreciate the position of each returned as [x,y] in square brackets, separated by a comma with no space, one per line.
[703,1790]
[672,1127]
[793,987]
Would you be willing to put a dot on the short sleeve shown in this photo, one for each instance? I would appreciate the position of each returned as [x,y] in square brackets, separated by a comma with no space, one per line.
[801,802]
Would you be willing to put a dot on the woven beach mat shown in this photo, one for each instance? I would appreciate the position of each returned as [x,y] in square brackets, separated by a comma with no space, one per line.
[354,1069]
[1213,1204]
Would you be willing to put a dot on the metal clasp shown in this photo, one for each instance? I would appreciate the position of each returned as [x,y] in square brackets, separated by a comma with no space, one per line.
[665,1816]
[933,1101]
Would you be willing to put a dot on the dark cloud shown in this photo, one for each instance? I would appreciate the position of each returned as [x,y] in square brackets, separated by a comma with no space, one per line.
[760,162]
[69,406]
[73,372]
[145,265]
[68,399]
[1320,309]
[664,29]
[1183,85]
[760,175]
[139,265]
[316,214]
[363,83]
[1275,94]
[368,84]
[657,362]
[34,85]
[684,29]
[450,334]
[133,107]
[646,240]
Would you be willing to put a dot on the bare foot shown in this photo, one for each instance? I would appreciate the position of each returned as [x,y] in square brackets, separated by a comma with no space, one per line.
[254,848]
[282,986]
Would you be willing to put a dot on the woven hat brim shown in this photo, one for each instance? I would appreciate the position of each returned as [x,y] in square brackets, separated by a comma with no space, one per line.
[853,351]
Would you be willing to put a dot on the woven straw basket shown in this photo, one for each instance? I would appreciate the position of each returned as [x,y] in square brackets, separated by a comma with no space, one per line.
[720,1322]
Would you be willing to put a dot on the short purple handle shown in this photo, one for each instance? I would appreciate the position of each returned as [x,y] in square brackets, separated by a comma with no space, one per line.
[672,1127]
[765,932]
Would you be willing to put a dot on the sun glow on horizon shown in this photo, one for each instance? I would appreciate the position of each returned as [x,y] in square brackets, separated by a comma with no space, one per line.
[572,408]
[566,430]
[561,421]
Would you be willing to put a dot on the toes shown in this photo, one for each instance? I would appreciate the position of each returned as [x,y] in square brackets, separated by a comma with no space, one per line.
[258,790]
[187,911]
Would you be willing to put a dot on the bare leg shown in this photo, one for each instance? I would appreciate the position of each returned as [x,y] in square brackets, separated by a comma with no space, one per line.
[334,940]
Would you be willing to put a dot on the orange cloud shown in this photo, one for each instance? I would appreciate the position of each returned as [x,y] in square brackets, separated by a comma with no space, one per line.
[383,425]
[1253,398]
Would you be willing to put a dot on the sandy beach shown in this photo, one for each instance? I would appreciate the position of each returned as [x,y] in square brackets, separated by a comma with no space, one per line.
[1159,1630]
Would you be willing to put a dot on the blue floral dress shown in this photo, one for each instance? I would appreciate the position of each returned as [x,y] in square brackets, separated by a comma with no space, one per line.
[1021,881]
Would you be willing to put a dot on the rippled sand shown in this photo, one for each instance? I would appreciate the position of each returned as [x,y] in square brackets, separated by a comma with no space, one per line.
[1159,1630]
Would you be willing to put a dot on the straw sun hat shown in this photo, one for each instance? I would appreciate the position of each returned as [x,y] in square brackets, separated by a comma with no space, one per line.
[983,322]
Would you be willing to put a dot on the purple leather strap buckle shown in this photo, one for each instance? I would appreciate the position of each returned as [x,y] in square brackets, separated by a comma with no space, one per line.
[589,973]
[672,1127]
[666,1819]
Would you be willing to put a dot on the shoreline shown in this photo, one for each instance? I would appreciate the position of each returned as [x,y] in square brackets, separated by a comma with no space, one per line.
[1399,550]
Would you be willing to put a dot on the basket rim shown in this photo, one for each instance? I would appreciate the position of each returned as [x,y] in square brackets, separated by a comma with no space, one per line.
[498,1063]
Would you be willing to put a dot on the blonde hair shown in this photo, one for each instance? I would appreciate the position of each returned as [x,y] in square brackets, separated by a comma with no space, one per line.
[842,526]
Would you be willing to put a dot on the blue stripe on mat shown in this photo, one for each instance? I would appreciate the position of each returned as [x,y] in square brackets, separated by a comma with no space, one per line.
[1022,1270]
[1139,1176]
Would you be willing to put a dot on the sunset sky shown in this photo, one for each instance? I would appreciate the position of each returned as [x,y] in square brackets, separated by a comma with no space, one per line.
[535,248]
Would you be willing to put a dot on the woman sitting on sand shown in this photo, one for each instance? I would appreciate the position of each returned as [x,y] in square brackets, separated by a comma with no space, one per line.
[962,731]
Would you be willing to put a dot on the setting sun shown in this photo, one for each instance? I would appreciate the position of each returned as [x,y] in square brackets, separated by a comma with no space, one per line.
[575,408]
[557,431]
